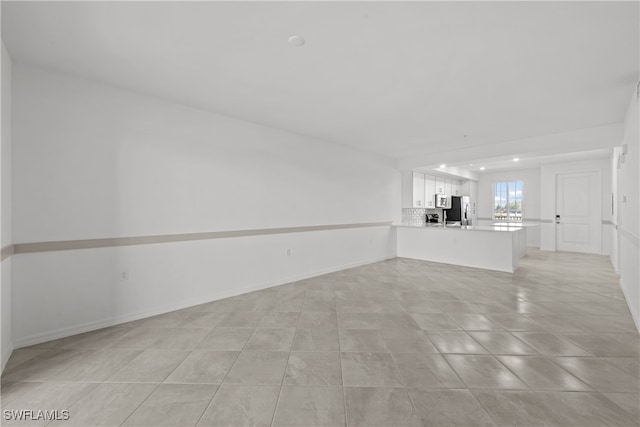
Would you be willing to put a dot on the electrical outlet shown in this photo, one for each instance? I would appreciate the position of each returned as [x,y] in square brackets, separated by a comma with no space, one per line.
[124,276]
[288,252]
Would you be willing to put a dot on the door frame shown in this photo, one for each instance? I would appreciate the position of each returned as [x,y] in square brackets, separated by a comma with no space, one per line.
[555,202]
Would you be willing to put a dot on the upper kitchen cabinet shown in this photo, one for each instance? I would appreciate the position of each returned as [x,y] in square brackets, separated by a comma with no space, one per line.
[439,185]
[429,191]
[418,190]
[413,189]
[455,188]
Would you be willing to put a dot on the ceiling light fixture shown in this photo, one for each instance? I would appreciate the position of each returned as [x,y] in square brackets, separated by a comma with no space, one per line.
[515,159]
[296,41]
[442,166]
[482,168]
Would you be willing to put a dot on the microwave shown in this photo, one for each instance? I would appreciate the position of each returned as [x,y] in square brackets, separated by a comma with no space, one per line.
[442,201]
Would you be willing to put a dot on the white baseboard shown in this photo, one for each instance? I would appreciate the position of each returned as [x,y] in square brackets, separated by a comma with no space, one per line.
[6,354]
[104,323]
[634,315]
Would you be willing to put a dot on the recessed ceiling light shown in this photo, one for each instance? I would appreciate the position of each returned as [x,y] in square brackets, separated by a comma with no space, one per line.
[296,40]
[482,168]
[470,164]
[515,159]
[442,166]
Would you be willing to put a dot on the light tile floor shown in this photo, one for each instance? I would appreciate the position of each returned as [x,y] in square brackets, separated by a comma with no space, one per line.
[395,343]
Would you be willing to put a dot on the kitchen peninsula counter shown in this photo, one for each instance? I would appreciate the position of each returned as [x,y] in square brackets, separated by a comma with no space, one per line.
[492,247]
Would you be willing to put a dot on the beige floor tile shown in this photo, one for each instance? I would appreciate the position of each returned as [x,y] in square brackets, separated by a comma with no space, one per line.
[23,355]
[588,410]
[502,343]
[516,322]
[318,319]
[600,373]
[242,319]
[310,406]
[258,368]
[96,365]
[46,365]
[107,405]
[203,367]
[630,402]
[279,320]
[601,344]
[173,405]
[205,320]
[41,396]
[362,340]
[479,371]
[316,340]
[630,365]
[359,320]
[540,373]
[271,339]
[397,321]
[241,406]
[319,305]
[475,322]
[225,339]
[314,368]
[435,322]
[150,366]
[407,341]
[449,408]
[455,342]
[170,338]
[369,406]
[426,371]
[519,408]
[370,370]
[550,344]
[391,318]
[93,340]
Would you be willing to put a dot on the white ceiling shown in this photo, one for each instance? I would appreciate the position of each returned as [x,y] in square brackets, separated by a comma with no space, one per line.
[401,79]
[501,163]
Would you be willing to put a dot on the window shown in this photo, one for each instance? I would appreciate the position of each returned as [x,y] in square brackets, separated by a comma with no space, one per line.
[507,201]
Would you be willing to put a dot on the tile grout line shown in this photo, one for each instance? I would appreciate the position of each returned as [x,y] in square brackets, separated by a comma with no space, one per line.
[227,374]
[163,381]
[286,366]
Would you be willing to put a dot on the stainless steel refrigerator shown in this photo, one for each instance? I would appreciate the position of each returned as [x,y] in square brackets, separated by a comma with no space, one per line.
[460,211]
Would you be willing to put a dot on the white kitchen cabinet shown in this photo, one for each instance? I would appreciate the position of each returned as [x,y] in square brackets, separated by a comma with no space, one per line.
[418,190]
[465,188]
[447,187]
[429,191]
[439,185]
[455,188]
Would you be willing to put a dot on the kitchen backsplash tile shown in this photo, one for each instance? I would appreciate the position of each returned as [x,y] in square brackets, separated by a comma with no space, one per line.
[414,216]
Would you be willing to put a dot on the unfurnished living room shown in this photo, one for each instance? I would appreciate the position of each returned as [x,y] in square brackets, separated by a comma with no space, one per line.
[320,213]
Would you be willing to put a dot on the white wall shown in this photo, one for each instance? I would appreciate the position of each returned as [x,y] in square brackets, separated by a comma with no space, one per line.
[629,214]
[531,198]
[6,345]
[93,161]
[548,174]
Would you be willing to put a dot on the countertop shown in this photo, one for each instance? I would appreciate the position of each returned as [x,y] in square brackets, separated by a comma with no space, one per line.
[503,228]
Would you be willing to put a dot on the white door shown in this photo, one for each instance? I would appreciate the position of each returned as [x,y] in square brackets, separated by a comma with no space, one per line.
[578,212]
